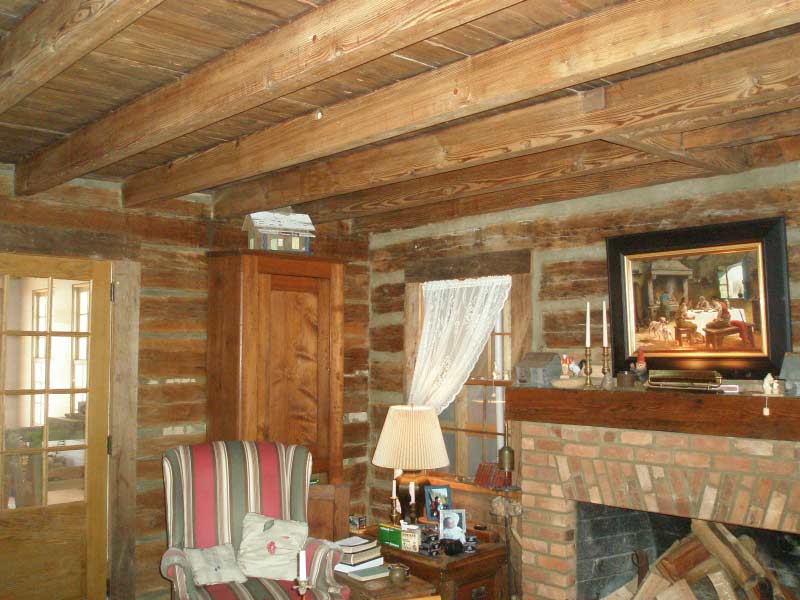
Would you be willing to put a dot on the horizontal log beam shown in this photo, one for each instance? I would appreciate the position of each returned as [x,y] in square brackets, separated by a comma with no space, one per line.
[322,43]
[574,161]
[54,36]
[747,131]
[679,412]
[751,81]
[556,191]
[631,35]
[670,147]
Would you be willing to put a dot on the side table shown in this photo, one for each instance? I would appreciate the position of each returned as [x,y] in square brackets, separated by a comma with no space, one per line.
[478,576]
[383,589]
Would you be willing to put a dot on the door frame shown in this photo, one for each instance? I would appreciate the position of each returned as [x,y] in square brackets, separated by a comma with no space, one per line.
[126,279]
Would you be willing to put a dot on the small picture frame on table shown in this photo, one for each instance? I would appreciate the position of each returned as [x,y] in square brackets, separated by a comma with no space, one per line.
[453,524]
[437,498]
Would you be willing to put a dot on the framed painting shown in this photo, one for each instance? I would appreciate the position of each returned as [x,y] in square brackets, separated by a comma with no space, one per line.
[713,297]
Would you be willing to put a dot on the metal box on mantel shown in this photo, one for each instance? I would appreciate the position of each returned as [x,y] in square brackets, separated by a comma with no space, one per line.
[536,369]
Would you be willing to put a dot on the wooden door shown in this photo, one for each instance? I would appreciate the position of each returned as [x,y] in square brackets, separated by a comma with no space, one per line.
[54,388]
[294,335]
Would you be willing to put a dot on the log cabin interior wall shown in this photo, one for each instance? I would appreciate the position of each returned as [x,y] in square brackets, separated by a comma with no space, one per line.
[85,218]
[441,129]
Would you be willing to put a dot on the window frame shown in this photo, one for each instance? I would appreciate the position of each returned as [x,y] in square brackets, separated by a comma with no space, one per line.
[519,313]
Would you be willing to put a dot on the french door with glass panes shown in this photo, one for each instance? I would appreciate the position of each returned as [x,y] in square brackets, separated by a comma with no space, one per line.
[54,387]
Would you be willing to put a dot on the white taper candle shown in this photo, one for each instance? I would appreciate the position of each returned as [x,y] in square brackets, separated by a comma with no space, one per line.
[605,327]
[394,488]
[301,566]
[411,491]
[588,338]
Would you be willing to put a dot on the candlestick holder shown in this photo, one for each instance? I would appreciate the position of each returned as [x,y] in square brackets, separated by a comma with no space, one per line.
[608,377]
[587,369]
[301,587]
[394,516]
[412,513]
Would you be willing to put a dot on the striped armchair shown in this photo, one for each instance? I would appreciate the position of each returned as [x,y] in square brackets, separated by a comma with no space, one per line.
[209,489]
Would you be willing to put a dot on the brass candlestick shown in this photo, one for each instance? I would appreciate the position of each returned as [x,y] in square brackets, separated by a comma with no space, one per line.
[606,359]
[588,368]
[301,587]
[412,513]
[394,516]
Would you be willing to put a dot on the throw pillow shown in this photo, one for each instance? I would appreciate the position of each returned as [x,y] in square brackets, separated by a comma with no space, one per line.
[214,565]
[270,546]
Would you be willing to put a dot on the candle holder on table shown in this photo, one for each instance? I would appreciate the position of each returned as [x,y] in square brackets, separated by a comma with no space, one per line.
[411,517]
[394,515]
[587,369]
[301,587]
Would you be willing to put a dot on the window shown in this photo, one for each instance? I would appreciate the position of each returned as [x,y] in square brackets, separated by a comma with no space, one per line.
[731,281]
[80,344]
[39,355]
[473,424]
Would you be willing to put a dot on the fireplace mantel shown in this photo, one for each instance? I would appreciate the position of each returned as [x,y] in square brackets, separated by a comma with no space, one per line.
[680,412]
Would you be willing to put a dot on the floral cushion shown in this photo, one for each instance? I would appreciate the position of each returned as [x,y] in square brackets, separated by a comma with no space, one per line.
[270,546]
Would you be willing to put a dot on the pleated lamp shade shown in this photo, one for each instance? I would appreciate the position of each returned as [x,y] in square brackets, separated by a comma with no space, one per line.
[411,440]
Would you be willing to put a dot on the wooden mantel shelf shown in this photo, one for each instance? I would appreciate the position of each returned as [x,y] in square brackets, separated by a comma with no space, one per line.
[681,412]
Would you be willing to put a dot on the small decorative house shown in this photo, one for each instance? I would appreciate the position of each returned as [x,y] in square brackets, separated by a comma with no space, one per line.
[536,369]
[277,231]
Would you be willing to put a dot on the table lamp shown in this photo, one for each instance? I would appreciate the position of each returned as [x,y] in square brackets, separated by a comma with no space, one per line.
[411,440]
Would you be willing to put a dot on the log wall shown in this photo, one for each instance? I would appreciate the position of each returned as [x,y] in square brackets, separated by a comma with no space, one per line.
[169,240]
[568,263]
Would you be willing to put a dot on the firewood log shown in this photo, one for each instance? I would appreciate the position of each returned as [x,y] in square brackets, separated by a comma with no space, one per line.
[681,558]
[652,585]
[729,552]
[722,585]
[679,590]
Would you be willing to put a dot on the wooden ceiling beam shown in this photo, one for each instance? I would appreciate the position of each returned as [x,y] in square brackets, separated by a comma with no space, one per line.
[564,163]
[320,44]
[747,131]
[619,38]
[670,147]
[545,193]
[54,36]
[744,83]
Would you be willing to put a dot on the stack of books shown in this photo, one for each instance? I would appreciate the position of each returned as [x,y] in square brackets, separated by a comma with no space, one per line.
[489,475]
[358,554]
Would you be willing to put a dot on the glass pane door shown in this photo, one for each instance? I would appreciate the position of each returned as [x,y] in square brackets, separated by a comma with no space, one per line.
[44,383]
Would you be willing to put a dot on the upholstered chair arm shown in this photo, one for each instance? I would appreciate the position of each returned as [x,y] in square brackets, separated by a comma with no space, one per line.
[321,557]
[175,567]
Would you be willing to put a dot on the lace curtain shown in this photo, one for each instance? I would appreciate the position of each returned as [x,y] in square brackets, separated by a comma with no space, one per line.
[458,317]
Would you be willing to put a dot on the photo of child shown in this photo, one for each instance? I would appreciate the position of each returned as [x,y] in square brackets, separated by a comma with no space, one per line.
[453,525]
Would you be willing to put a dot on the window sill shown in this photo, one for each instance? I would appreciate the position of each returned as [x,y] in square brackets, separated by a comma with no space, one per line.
[471,488]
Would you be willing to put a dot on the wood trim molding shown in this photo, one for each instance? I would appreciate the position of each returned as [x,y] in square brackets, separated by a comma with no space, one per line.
[680,412]
[126,277]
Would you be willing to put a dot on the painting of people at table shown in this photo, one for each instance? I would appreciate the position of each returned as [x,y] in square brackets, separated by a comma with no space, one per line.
[704,300]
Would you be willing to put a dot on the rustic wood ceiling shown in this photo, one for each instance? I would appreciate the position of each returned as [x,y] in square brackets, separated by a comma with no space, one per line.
[394,112]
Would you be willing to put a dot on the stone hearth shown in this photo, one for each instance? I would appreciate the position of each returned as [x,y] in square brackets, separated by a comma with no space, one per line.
[751,482]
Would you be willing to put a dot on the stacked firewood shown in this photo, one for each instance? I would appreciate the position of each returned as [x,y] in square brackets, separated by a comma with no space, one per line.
[712,551]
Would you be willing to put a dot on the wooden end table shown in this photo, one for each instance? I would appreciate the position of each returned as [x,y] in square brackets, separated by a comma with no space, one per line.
[383,589]
[478,576]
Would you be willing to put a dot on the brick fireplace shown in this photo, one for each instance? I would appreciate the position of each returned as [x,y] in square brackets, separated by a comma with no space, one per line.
[736,480]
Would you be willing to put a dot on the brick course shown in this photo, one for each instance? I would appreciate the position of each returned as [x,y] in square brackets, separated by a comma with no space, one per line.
[740,481]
